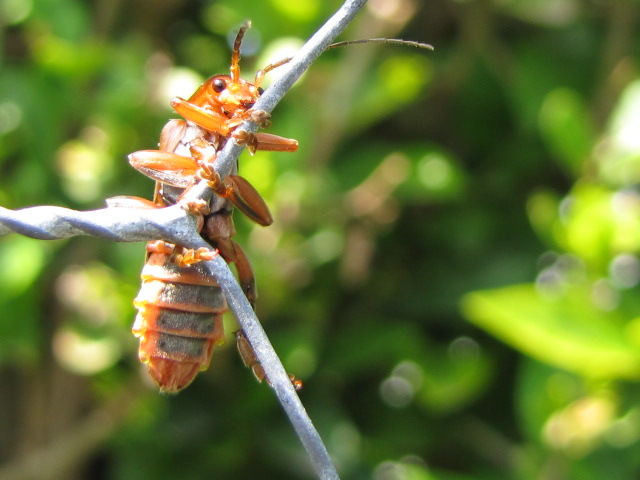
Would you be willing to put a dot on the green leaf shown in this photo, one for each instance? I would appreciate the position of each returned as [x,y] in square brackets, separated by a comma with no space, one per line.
[566,332]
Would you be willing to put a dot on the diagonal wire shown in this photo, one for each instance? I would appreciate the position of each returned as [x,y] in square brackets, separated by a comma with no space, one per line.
[174,225]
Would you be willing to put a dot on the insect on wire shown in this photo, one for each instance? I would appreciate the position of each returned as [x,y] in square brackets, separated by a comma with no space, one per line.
[175,223]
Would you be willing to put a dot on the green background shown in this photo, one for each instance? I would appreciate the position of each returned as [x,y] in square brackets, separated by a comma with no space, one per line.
[453,268]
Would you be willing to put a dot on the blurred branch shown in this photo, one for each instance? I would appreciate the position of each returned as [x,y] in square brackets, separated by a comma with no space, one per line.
[57,459]
[175,225]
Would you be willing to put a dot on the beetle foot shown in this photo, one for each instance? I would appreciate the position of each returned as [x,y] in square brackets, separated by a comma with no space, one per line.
[262,118]
[189,256]
[247,139]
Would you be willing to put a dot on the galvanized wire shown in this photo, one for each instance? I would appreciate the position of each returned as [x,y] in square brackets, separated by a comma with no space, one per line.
[173,224]
[118,223]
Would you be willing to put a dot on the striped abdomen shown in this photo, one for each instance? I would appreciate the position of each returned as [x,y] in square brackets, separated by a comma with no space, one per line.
[179,320]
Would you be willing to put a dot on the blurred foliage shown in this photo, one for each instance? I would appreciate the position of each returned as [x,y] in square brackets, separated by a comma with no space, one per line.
[453,269]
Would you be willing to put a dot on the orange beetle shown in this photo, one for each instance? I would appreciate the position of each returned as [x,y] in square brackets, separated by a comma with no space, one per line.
[180,307]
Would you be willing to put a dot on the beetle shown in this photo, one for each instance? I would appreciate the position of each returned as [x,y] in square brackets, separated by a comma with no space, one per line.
[179,320]
[180,307]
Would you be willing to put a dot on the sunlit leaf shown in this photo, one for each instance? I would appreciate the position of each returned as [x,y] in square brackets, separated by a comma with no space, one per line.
[619,155]
[566,332]
[597,224]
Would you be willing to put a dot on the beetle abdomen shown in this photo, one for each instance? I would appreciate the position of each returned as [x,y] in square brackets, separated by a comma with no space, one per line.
[179,321]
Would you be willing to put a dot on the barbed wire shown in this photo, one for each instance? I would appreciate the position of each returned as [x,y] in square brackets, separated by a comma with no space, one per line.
[173,224]
[118,224]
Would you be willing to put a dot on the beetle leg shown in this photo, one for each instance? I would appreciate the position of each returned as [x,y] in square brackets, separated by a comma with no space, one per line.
[249,357]
[213,179]
[248,200]
[165,167]
[265,141]
[247,139]
[248,284]
[207,119]
[250,360]
[163,160]
[275,143]
[160,246]
[262,118]
[239,192]
[181,256]
[245,274]
[189,256]
[195,206]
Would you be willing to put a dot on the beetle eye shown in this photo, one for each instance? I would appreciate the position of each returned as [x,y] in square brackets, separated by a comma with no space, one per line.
[219,85]
[260,90]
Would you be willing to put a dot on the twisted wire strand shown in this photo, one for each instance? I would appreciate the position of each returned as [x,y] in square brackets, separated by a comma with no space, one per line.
[174,225]
[119,224]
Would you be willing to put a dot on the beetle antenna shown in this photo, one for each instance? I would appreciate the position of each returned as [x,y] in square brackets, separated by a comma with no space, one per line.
[235,54]
[272,66]
[393,41]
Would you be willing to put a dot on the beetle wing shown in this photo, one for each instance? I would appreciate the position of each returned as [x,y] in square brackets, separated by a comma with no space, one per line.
[172,134]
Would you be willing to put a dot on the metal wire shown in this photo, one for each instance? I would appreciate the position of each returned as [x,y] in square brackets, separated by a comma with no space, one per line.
[176,226]
[118,223]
